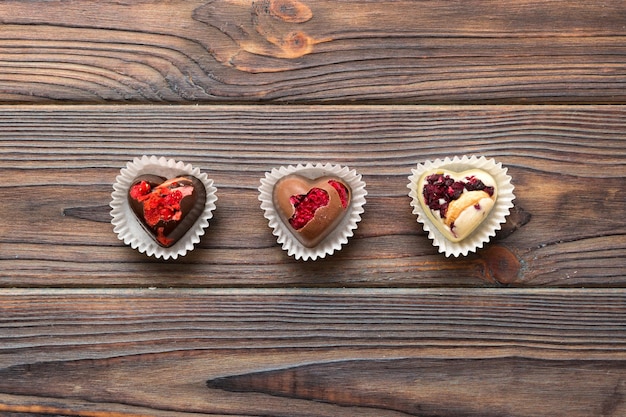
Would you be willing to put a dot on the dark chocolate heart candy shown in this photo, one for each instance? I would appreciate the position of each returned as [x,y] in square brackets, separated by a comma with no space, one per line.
[167,208]
[311,208]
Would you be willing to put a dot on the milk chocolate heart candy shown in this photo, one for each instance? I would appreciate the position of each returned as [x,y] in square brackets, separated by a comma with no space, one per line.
[167,209]
[311,208]
[457,203]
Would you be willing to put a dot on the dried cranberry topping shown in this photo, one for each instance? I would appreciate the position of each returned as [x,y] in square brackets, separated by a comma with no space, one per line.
[441,189]
[474,184]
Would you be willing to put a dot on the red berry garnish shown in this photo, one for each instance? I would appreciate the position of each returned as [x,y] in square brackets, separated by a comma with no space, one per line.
[305,206]
[440,190]
[342,191]
[139,190]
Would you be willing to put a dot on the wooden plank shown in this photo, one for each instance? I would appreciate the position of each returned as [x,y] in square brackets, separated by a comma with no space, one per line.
[515,51]
[305,352]
[568,164]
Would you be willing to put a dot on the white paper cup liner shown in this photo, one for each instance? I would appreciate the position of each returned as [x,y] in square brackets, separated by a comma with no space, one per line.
[494,220]
[129,228]
[340,234]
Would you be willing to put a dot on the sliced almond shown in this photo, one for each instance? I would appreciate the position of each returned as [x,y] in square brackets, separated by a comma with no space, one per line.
[467,199]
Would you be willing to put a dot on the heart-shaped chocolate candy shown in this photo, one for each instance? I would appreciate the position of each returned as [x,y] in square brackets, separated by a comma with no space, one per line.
[167,209]
[311,208]
[457,202]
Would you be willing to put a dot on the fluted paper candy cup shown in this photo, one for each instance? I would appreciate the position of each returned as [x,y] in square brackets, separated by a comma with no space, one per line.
[132,228]
[461,202]
[312,209]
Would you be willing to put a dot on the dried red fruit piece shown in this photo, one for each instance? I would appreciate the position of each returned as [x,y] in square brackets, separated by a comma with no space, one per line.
[342,190]
[441,189]
[305,206]
[474,184]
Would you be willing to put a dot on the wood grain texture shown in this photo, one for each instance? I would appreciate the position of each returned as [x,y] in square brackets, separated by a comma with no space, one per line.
[568,164]
[515,51]
[315,352]
[532,325]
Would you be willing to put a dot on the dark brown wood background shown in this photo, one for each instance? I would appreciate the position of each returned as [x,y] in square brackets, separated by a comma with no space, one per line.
[534,324]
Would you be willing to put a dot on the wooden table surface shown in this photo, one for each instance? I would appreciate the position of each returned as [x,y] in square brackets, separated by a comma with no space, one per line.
[534,324]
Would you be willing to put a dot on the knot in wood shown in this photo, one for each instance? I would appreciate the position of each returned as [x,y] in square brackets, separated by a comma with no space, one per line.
[291,11]
[501,265]
[296,44]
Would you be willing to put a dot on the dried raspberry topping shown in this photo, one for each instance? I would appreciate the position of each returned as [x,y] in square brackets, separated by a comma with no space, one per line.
[140,190]
[163,206]
[305,206]
[342,190]
[160,204]
[440,190]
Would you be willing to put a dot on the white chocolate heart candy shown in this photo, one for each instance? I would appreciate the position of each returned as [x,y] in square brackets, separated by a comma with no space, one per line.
[457,202]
